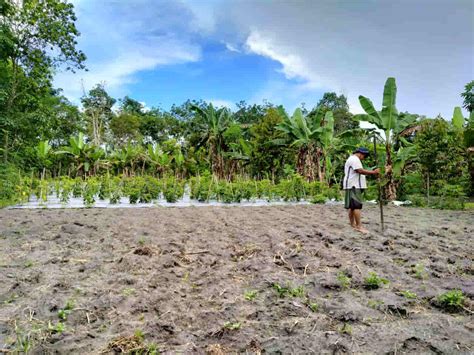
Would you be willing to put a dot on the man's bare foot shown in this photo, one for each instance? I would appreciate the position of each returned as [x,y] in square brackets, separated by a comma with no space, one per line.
[361,229]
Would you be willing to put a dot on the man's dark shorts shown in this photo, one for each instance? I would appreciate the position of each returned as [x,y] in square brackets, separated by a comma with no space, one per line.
[353,199]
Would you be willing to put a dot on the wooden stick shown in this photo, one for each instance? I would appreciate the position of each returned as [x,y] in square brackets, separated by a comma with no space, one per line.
[378,185]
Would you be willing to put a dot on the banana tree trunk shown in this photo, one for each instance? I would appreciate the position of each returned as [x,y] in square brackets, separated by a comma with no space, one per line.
[390,187]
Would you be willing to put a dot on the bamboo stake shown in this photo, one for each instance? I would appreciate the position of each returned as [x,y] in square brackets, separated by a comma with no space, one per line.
[378,185]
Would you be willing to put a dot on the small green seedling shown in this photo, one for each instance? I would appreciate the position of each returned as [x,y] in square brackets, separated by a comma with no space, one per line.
[375,304]
[58,328]
[408,294]
[63,313]
[419,272]
[346,329]
[297,291]
[452,300]
[142,241]
[344,280]
[282,291]
[139,335]
[289,291]
[373,281]
[232,325]
[128,291]
[313,306]
[250,295]
[28,264]
[152,349]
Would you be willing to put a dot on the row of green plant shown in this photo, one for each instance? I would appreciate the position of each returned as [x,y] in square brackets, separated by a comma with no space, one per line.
[145,189]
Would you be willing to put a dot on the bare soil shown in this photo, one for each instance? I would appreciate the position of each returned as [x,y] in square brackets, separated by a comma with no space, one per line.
[178,277]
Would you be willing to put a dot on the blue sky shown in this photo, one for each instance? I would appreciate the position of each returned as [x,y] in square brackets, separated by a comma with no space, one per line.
[288,52]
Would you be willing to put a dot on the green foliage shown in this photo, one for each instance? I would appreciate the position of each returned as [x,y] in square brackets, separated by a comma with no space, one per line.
[288,290]
[10,179]
[452,300]
[232,325]
[344,280]
[408,294]
[373,281]
[458,118]
[250,295]
[346,329]
[468,96]
[419,271]
[64,312]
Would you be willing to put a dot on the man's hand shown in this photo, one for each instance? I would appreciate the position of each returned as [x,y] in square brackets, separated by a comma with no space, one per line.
[376,171]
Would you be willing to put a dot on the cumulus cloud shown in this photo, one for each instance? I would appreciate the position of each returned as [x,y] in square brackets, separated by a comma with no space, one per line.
[352,47]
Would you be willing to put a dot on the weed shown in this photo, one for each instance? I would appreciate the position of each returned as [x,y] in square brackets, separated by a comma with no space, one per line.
[28,264]
[408,294]
[373,281]
[344,280]
[232,325]
[297,291]
[313,306]
[142,241]
[128,291]
[282,291]
[139,335]
[152,349]
[186,276]
[289,291]
[63,313]
[346,329]
[452,300]
[375,304]
[420,272]
[57,328]
[250,295]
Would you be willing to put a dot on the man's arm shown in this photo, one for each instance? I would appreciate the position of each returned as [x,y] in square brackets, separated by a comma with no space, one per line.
[367,172]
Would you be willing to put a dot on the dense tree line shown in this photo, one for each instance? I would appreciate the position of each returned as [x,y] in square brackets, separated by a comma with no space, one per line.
[41,132]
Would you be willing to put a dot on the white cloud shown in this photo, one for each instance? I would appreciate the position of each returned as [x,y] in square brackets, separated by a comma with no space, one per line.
[352,47]
[231,47]
[293,66]
[119,43]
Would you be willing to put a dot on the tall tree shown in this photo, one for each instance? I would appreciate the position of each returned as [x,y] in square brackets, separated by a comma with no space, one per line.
[98,110]
[343,119]
[36,37]
[468,96]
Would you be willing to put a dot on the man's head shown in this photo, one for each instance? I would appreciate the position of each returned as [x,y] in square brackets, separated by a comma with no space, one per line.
[361,152]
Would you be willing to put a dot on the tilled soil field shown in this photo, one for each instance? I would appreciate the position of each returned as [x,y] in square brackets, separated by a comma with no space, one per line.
[286,279]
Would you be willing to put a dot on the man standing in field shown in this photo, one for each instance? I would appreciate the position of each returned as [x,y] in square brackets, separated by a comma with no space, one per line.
[354,185]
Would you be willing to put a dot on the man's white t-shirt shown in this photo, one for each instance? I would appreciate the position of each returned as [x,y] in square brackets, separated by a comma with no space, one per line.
[351,177]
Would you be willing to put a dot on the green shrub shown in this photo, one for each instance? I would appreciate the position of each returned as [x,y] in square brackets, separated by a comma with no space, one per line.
[373,281]
[10,179]
[319,198]
[452,300]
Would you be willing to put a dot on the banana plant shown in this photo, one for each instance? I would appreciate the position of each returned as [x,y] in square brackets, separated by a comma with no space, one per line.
[211,128]
[43,150]
[312,136]
[159,159]
[391,123]
[86,157]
